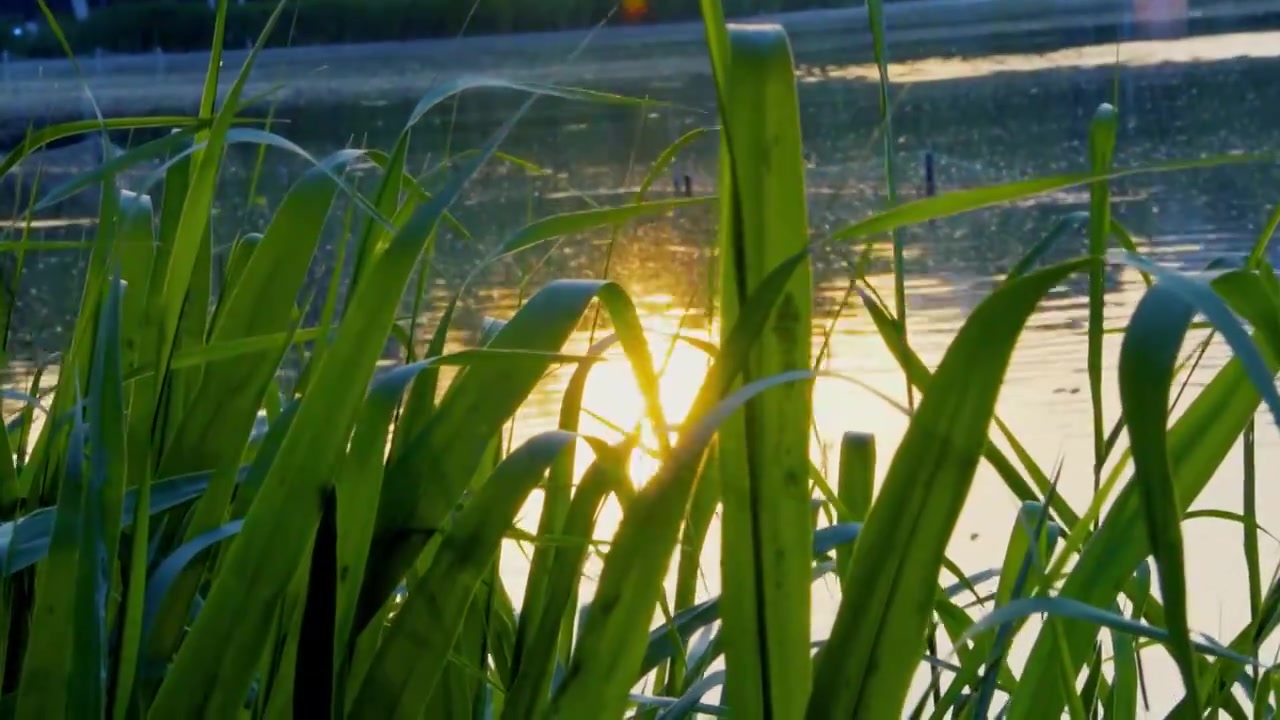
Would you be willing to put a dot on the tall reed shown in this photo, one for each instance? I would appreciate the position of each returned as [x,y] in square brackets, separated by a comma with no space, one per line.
[185,539]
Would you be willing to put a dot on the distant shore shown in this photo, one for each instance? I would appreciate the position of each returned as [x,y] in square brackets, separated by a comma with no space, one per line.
[42,90]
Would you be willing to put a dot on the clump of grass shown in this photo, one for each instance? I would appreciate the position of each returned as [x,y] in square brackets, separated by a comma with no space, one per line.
[187,539]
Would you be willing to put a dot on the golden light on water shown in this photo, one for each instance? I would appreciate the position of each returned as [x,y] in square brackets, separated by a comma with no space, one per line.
[612,400]
[613,404]
[1134,53]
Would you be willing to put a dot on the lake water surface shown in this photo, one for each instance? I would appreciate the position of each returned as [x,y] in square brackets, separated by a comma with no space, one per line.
[985,120]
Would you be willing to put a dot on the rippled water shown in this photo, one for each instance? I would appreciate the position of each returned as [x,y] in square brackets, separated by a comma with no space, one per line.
[1178,100]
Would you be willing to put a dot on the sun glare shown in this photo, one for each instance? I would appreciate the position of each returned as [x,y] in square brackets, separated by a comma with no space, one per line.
[613,404]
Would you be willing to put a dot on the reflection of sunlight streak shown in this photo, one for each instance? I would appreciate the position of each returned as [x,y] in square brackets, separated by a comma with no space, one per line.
[1048,423]
[612,396]
[613,405]
[1037,401]
[1141,53]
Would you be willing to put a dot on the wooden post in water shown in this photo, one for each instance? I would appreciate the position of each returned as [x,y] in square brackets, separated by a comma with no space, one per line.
[681,183]
[930,177]
[930,180]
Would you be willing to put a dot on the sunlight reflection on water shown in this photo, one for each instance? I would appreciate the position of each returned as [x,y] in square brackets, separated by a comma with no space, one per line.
[1045,402]
[982,133]
[1132,54]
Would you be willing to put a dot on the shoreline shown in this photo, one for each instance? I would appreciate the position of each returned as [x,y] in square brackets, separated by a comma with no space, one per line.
[905,20]
[918,30]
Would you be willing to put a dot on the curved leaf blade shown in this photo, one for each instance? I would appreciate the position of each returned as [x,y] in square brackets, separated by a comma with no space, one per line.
[574,222]
[961,201]
[764,452]
[879,632]
[417,643]
[1198,442]
[259,566]
[1148,356]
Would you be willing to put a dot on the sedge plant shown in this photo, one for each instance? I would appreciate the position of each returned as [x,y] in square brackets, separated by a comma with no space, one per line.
[190,537]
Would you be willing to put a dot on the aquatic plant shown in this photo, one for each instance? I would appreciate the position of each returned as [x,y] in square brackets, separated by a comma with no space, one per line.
[186,535]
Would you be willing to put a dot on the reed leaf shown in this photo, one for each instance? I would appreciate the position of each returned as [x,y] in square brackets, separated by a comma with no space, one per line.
[880,628]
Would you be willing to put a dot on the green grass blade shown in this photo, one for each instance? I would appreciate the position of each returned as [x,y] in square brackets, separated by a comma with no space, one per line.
[167,571]
[921,378]
[764,458]
[358,486]
[11,491]
[557,501]
[879,631]
[612,645]
[1078,611]
[1102,142]
[256,571]
[387,199]
[454,86]
[27,540]
[1092,689]
[717,46]
[420,406]
[530,692]
[575,222]
[691,701]
[136,248]
[209,97]
[250,136]
[214,430]
[1064,225]
[78,360]
[1147,358]
[1215,308]
[612,640]
[233,270]
[47,679]
[191,232]
[1198,442]
[451,443]
[1250,518]
[461,690]
[372,242]
[502,638]
[261,302]
[1122,701]
[961,201]
[702,508]
[1259,251]
[1019,549]
[37,139]
[104,494]
[666,641]
[1125,239]
[415,647]
[875,22]
[666,157]
[1247,522]
[153,150]
[857,483]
